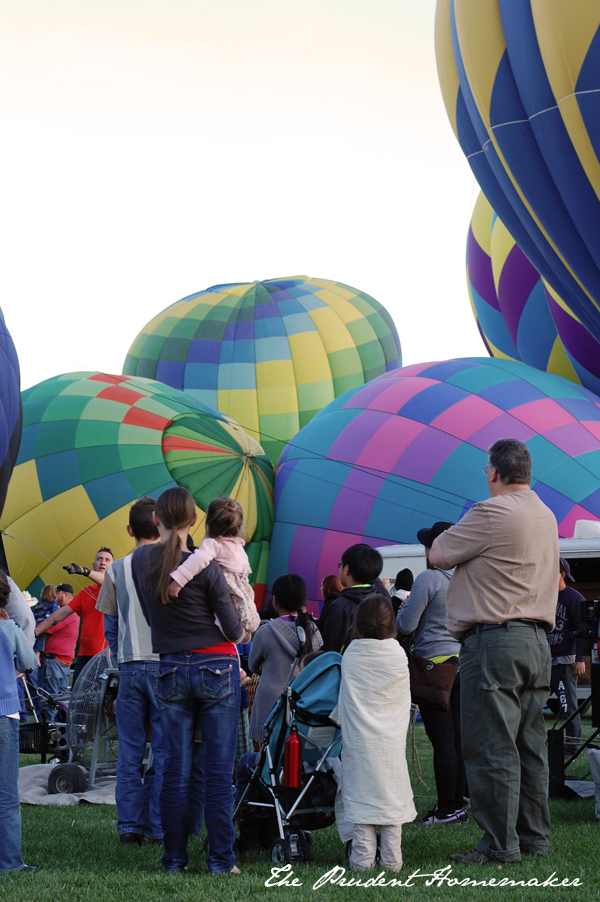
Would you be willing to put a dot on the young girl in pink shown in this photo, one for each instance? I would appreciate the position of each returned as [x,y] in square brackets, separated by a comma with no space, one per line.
[224,544]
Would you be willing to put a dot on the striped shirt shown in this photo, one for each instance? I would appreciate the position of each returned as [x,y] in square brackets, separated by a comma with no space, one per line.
[118,598]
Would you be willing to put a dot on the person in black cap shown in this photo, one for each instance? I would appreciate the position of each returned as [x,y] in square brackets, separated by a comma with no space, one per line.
[64,594]
[567,661]
[59,651]
[424,613]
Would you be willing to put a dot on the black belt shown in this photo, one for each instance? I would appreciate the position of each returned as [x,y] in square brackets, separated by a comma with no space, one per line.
[497,626]
[46,654]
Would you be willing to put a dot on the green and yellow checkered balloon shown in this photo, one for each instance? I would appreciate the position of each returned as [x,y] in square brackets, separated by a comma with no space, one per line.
[269,354]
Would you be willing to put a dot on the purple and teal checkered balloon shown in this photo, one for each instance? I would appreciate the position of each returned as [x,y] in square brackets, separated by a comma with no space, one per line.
[406,450]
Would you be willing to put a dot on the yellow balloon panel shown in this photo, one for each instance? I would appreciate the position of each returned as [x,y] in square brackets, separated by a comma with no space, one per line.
[309,357]
[23,492]
[481,58]
[109,532]
[446,66]
[334,334]
[242,406]
[45,530]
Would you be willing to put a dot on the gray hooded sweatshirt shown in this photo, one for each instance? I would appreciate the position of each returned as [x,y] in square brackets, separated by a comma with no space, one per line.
[424,611]
[273,650]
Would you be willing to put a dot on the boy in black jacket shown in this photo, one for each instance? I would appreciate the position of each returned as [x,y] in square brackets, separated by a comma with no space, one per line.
[359,568]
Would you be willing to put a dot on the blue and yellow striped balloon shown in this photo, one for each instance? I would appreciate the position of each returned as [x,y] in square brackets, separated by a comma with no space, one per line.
[519,315]
[521,85]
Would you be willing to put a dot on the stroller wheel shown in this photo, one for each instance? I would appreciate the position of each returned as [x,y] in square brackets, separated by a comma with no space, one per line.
[305,843]
[281,852]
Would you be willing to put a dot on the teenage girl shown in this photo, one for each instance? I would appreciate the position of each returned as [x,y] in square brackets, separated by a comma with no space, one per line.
[275,645]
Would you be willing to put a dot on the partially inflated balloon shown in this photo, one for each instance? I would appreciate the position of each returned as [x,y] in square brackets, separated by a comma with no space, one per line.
[407,450]
[521,84]
[10,408]
[270,354]
[518,313]
[94,443]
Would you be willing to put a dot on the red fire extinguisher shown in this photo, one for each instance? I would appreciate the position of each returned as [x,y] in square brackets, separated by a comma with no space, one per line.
[292,761]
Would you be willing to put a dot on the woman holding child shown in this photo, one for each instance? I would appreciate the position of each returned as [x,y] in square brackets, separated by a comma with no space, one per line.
[198,686]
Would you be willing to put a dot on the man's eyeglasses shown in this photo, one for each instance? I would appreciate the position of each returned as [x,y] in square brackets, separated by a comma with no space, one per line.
[487,469]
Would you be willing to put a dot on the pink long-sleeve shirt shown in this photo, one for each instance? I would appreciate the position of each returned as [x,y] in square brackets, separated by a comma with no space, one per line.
[227,551]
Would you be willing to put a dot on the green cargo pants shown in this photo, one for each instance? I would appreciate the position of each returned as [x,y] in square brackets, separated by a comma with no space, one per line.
[505,682]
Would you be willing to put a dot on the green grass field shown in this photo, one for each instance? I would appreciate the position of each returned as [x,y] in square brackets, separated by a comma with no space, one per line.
[81,860]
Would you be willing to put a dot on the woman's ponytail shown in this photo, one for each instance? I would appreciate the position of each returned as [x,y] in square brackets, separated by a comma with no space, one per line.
[175,509]
[308,626]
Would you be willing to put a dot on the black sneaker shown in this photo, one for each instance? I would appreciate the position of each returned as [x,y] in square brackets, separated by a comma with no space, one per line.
[473,856]
[132,839]
[435,816]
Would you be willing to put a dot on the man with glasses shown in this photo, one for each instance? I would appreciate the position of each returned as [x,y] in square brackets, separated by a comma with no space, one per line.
[501,602]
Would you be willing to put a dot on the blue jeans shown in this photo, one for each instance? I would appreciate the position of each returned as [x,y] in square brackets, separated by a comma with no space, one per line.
[138,803]
[196,795]
[53,676]
[205,688]
[10,810]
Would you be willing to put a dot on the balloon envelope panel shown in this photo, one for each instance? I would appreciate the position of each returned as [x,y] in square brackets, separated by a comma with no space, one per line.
[270,354]
[521,83]
[482,288]
[407,449]
[93,443]
[10,408]
[518,313]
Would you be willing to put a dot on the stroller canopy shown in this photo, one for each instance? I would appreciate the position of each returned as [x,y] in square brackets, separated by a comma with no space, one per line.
[313,696]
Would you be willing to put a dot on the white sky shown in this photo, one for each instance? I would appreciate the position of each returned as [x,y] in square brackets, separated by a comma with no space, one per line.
[152,148]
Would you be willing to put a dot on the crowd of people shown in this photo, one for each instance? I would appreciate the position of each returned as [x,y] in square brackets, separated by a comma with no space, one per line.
[177,619]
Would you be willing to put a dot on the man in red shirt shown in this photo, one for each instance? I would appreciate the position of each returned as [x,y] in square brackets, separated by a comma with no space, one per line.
[57,657]
[91,639]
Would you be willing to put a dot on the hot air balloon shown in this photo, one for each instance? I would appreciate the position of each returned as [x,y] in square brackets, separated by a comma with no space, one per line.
[10,408]
[407,450]
[519,315]
[269,354]
[93,443]
[521,81]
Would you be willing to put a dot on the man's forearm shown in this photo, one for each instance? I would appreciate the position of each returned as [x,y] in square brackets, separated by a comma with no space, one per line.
[97,576]
[53,619]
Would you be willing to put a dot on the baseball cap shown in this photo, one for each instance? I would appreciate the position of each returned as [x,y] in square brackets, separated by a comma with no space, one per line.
[428,536]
